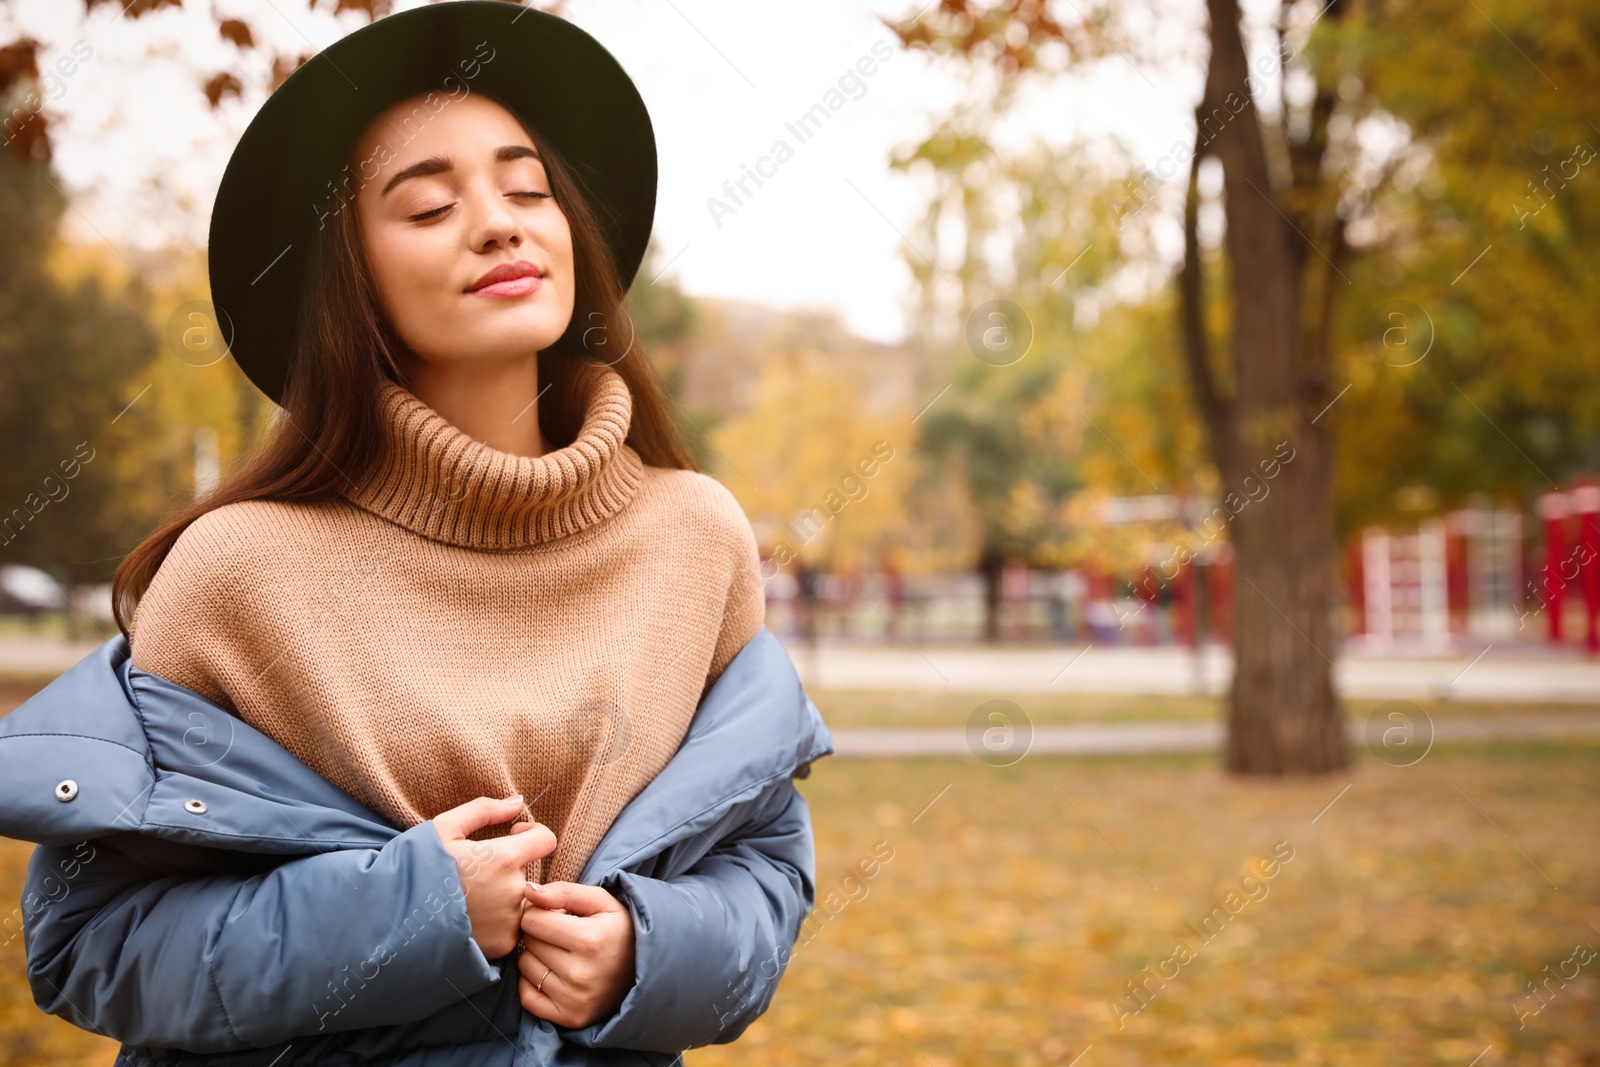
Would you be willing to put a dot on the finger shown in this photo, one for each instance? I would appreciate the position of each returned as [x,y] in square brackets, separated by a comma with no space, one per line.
[573,897]
[534,843]
[539,1003]
[531,970]
[537,955]
[570,933]
[474,815]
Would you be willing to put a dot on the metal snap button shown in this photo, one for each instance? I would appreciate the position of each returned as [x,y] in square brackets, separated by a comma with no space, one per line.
[66,789]
[198,807]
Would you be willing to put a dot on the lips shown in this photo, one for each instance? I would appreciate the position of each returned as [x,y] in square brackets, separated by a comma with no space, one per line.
[509,279]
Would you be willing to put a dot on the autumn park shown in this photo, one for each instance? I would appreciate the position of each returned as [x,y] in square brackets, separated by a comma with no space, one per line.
[1170,432]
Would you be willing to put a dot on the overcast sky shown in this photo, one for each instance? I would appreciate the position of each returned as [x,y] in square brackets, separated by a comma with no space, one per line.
[141,153]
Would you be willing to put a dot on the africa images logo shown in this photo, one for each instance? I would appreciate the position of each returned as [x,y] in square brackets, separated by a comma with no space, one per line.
[804,127]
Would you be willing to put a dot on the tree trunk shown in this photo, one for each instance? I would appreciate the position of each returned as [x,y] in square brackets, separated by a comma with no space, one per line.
[1283,716]
[990,564]
[1273,458]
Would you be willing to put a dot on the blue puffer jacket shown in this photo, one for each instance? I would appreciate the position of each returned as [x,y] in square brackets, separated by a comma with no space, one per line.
[196,887]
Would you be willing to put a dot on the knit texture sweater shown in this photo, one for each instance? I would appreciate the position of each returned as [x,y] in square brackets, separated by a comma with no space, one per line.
[466,622]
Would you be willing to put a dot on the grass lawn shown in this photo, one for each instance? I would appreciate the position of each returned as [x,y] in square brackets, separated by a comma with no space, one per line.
[1017,909]
[986,915]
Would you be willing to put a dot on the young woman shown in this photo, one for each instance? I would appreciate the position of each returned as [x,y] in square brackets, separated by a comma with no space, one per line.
[473,578]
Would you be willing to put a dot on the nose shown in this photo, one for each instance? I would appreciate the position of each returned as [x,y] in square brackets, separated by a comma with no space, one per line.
[495,224]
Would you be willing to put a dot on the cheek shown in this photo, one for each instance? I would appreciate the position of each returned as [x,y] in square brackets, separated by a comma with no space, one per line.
[556,238]
[552,238]
[406,268]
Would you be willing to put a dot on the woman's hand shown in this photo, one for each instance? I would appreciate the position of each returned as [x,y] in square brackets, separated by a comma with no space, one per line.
[493,872]
[577,945]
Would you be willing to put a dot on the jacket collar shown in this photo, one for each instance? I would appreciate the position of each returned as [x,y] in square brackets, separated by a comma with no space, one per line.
[106,747]
[755,726]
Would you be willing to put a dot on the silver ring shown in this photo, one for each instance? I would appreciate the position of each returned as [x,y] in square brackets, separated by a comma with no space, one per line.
[540,984]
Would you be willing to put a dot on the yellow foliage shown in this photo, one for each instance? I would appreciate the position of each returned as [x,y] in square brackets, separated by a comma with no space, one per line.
[815,468]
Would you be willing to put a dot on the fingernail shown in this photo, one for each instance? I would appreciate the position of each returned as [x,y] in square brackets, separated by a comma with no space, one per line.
[514,796]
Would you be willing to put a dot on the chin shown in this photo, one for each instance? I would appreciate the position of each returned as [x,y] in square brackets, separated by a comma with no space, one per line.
[538,336]
[517,334]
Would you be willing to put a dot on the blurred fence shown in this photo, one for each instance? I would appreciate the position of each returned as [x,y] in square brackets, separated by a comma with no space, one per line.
[1475,574]
[1454,582]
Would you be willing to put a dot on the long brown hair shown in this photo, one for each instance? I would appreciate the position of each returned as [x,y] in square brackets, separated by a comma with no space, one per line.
[327,430]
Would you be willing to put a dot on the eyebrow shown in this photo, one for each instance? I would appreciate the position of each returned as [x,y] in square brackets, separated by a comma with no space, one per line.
[442,164]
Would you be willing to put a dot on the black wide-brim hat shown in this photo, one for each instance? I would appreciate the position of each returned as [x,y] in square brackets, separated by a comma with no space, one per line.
[288,172]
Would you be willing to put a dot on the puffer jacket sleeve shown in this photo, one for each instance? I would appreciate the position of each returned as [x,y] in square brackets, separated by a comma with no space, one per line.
[711,943]
[221,962]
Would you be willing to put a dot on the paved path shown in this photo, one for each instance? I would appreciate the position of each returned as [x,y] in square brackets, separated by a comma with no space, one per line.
[1517,675]
[42,656]
[1088,739]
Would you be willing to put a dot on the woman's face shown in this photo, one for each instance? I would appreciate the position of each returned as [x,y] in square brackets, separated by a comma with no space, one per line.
[459,192]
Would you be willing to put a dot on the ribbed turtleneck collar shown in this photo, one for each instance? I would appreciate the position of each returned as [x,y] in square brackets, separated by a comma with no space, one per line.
[435,480]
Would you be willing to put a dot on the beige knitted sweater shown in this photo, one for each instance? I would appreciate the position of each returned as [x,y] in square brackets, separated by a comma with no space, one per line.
[467,622]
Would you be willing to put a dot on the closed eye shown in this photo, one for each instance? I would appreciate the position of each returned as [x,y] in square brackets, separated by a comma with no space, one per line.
[426,215]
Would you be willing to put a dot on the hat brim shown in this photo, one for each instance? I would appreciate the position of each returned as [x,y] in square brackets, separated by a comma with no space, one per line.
[287,178]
